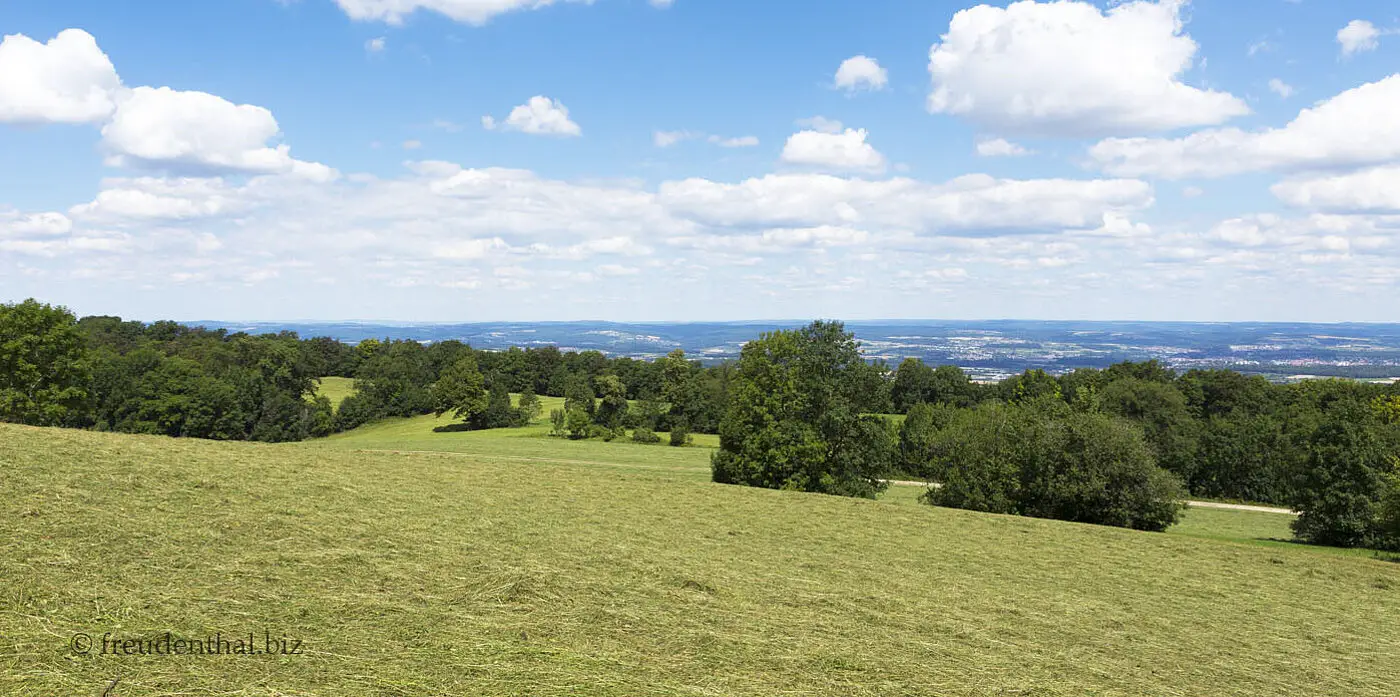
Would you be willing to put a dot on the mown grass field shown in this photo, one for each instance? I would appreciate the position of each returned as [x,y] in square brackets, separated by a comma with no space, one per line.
[533,445]
[453,574]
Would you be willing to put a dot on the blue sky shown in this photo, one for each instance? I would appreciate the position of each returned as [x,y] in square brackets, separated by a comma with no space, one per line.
[465,160]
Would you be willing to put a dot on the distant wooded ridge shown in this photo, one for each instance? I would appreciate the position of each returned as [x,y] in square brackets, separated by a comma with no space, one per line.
[987,349]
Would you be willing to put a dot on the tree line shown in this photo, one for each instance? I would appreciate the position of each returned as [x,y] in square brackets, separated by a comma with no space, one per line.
[800,409]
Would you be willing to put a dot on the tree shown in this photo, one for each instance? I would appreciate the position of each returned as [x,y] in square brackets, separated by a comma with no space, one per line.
[613,405]
[558,423]
[44,373]
[917,435]
[1346,485]
[578,422]
[579,395]
[498,412]
[1160,409]
[460,389]
[1031,386]
[529,408]
[794,420]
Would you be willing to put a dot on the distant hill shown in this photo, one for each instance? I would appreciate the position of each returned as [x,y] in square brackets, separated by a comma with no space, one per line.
[988,349]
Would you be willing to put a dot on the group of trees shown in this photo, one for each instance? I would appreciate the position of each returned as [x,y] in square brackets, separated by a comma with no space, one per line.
[1121,446]
[170,379]
[798,410]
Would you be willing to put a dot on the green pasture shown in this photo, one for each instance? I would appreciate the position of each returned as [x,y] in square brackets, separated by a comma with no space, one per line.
[458,573]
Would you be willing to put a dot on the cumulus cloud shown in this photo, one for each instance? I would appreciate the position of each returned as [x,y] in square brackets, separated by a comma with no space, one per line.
[539,116]
[165,128]
[67,80]
[1000,147]
[976,204]
[1068,68]
[1342,131]
[1358,36]
[861,73]
[14,225]
[1374,190]
[846,151]
[474,12]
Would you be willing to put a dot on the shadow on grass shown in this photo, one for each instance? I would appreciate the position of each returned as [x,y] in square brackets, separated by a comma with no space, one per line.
[453,428]
[1379,555]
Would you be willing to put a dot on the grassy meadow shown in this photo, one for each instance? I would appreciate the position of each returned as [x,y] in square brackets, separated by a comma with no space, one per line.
[457,574]
[335,389]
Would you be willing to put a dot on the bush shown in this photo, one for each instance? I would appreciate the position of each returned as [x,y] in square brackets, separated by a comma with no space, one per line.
[680,436]
[1347,485]
[1049,462]
[579,423]
[645,435]
[558,423]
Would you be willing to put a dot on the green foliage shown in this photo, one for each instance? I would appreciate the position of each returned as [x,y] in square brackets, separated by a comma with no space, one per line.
[1345,490]
[679,436]
[916,383]
[578,395]
[613,406]
[1047,462]
[1030,386]
[643,434]
[498,412]
[917,435]
[578,422]
[529,407]
[794,419]
[44,374]
[461,390]
[558,423]
[1160,409]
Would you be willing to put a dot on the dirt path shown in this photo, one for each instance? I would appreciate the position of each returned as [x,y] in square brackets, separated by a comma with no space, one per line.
[1193,504]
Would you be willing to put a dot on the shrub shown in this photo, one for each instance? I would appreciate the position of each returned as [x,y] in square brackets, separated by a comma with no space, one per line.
[680,436]
[1047,461]
[645,435]
[558,423]
[579,423]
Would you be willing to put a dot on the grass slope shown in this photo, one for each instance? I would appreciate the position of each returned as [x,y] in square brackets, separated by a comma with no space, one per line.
[335,389]
[451,574]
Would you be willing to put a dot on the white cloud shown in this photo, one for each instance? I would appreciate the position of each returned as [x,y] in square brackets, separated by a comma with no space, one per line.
[618,270]
[661,4]
[375,45]
[1357,36]
[977,204]
[821,124]
[665,139]
[412,144]
[67,80]
[1193,192]
[165,128]
[1345,130]
[1000,147]
[160,198]
[474,12]
[1280,88]
[738,142]
[1375,190]
[861,73]
[845,151]
[14,225]
[539,116]
[1067,68]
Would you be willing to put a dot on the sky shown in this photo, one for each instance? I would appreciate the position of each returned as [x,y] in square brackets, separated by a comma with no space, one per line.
[700,160]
